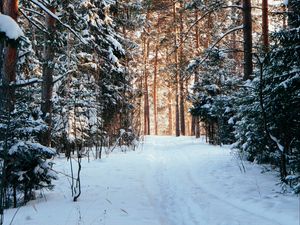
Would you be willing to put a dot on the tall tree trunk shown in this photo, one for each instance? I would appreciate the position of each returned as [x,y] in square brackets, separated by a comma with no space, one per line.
[197,127]
[170,128]
[146,94]
[155,90]
[181,107]
[233,46]
[47,85]
[247,22]
[9,61]
[177,132]
[181,75]
[195,119]
[9,56]
[265,25]
[177,122]
[193,127]
[170,102]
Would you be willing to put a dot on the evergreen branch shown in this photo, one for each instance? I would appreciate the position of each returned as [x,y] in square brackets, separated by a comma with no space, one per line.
[46,10]
[62,76]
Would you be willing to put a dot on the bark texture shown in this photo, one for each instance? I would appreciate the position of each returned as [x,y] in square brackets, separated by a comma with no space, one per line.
[247,21]
[47,85]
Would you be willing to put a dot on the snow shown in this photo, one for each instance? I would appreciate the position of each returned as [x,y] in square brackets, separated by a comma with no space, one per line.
[53,15]
[116,44]
[111,56]
[10,27]
[28,144]
[231,120]
[43,7]
[167,181]
[281,148]
[285,2]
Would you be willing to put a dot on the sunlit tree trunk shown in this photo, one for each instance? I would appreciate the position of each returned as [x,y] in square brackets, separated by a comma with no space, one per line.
[195,129]
[146,95]
[177,122]
[9,61]
[170,100]
[234,54]
[181,75]
[170,125]
[9,56]
[155,90]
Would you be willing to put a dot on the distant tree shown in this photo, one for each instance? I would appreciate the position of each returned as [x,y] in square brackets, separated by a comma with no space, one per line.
[211,97]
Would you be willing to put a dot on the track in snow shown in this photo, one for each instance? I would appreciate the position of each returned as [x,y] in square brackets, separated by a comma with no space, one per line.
[171,181]
[183,198]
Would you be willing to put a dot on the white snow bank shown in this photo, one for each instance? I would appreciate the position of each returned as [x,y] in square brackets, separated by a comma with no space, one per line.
[10,27]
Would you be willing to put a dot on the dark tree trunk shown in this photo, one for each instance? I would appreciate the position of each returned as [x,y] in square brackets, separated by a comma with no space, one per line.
[265,25]
[9,60]
[197,127]
[193,127]
[247,21]
[47,85]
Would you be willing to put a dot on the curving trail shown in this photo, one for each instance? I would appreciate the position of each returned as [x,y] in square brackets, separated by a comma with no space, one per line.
[184,199]
[168,181]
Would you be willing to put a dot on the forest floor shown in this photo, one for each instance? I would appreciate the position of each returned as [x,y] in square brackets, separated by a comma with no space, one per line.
[167,181]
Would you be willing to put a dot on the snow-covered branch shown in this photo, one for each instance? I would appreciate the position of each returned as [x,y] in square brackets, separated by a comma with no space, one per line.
[34,23]
[45,9]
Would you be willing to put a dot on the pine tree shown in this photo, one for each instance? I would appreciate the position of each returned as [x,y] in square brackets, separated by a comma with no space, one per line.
[281,92]
[267,127]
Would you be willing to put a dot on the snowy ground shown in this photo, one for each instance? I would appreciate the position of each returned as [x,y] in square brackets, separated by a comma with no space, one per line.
[170,181]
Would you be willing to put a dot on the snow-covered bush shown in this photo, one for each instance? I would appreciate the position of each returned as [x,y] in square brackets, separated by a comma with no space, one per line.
[25,165]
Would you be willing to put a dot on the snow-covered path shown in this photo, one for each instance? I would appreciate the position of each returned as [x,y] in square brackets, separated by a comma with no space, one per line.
[171,181]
